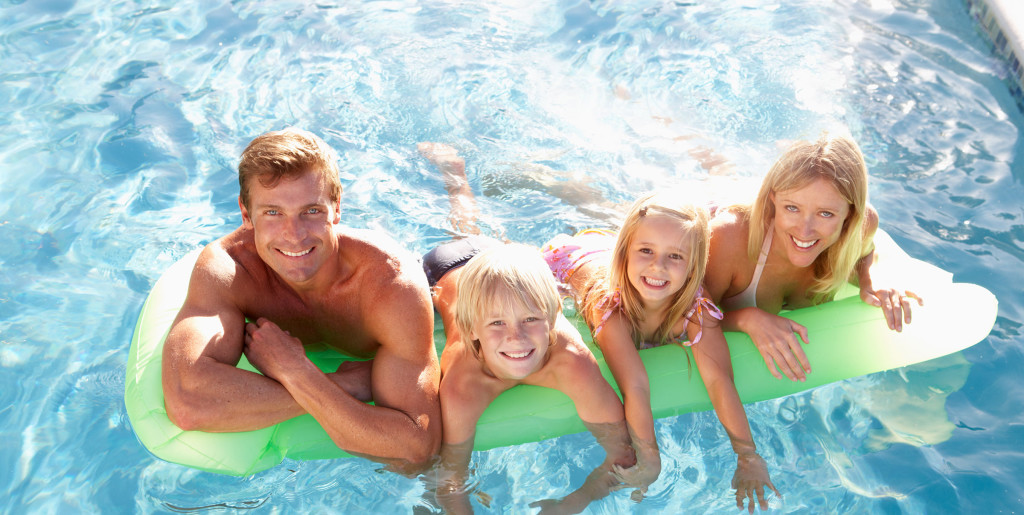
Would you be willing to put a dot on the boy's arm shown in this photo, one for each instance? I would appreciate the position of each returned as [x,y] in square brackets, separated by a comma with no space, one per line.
[464,397]
[203,388]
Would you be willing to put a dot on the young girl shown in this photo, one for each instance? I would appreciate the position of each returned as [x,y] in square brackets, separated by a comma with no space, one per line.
[808,232]
[643,289]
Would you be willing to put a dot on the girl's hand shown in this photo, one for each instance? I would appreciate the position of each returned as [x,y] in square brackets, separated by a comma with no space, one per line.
[777,340]
[750,479]
[641,475]
[895,304]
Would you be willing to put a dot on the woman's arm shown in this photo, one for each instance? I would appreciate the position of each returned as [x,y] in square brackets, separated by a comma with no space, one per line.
[715,366]
[895,303]
[778,339]
[730,270]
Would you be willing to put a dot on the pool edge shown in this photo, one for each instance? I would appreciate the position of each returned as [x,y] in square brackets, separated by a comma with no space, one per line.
[1003,21]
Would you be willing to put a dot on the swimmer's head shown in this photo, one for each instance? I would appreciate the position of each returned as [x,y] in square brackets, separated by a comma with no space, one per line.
[287,154]
[660,257]
[838,162]
[506,309]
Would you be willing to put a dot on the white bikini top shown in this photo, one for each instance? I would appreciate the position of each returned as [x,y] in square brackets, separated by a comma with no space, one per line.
[748,297]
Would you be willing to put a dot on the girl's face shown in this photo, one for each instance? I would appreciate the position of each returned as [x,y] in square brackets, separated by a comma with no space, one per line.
[514,338]
[656,263]
[808,220]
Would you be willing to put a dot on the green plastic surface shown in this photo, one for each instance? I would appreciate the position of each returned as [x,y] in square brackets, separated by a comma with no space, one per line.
[847,339]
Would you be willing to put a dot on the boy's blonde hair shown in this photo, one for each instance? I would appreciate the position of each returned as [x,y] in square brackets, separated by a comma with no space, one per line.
[693,220]
[501,275]
[839,161]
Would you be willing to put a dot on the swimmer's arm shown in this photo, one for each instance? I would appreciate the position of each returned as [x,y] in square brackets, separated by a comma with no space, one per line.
[203,388]
[777,339]
[895,303]
[403,427]
[715,366]
[579,377]
[631,377]
[464,397]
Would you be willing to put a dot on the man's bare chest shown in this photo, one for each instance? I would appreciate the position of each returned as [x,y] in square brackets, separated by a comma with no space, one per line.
[335,324]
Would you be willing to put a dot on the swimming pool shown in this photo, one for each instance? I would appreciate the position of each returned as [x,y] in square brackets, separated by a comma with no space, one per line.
[124,122]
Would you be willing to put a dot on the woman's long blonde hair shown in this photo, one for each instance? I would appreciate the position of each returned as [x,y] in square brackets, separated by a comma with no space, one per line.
[693,220]
[839,161]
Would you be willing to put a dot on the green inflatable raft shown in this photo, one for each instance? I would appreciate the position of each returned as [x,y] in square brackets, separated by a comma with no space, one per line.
[848,339]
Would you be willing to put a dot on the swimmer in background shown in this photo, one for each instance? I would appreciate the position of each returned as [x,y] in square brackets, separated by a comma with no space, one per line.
[504,327]
[808,232]
[642,288]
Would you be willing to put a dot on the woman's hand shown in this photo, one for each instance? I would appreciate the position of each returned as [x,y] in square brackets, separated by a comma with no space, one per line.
[895,304]
[750,480]
[777,340]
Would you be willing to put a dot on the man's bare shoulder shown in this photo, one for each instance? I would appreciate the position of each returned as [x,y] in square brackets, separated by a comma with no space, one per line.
[379,257]
[226,260]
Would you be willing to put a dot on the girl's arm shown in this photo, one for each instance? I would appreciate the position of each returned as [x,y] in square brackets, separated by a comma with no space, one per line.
[895,303]
[715,367]
[630,375]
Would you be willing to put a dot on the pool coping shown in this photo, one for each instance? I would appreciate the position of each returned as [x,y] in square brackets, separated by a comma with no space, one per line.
[1003,21]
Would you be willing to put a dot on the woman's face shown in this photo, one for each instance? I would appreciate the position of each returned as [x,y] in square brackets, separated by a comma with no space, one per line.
[808,220]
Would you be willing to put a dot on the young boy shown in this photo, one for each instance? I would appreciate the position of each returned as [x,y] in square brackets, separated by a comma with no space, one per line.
[504,327]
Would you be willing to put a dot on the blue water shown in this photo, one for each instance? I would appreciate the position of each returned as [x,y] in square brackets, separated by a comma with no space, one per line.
[122,123]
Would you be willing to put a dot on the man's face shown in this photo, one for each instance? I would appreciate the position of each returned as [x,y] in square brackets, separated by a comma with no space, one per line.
[293,224]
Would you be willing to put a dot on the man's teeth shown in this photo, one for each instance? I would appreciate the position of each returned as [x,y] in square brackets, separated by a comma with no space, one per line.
[297,254]
[804,244]
[654,282]
[518,355]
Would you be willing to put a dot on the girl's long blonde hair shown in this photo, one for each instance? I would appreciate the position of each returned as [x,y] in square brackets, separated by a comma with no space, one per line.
[839,161]
[694,221]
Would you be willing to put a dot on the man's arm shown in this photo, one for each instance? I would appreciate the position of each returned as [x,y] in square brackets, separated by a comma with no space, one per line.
[404,424]
[203,389]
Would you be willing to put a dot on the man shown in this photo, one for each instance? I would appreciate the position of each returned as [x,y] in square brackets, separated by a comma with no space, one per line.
[301,278]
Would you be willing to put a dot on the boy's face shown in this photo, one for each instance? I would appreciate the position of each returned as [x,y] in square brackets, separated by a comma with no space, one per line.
[514,337]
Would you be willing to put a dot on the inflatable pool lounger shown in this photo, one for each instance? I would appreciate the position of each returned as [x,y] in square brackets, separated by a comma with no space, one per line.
[848,339]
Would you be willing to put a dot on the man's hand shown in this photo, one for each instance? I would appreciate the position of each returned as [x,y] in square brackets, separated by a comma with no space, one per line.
[272,350]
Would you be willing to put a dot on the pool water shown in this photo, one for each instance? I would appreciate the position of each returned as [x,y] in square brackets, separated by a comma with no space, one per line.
[123,123]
